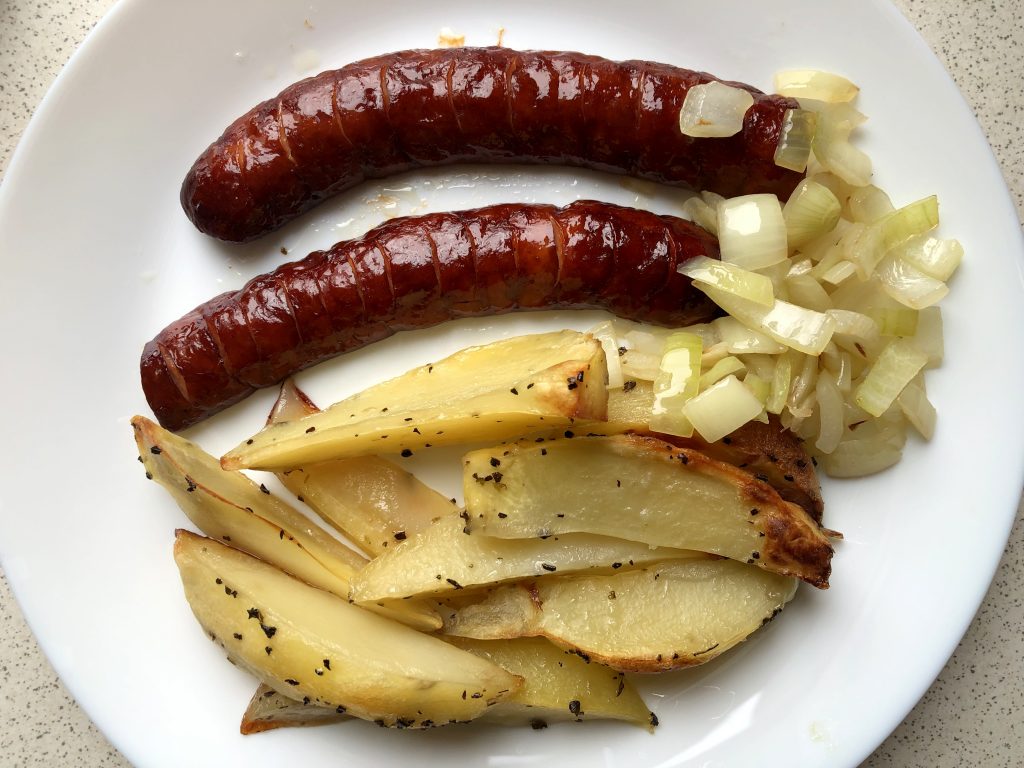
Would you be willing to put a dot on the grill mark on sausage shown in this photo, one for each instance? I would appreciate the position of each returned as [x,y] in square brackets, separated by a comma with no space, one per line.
[448,93]
[337,114]
[587,254]
[282,135]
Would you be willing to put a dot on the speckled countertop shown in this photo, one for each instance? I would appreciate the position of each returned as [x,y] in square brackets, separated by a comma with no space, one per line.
[969,717]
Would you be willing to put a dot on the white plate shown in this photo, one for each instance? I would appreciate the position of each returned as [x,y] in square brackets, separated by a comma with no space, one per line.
[98,256]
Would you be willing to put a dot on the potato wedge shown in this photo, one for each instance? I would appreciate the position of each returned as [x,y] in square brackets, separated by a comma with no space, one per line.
[672,614]
[493,392]
[558,687]
[304,642]
[642,489]
[768,449]
[771,452]
[370,500]
[443,558]
[231,507]
[268,710]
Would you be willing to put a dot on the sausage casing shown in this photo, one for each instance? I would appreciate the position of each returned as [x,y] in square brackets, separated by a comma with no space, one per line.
[415,272]
[421,108]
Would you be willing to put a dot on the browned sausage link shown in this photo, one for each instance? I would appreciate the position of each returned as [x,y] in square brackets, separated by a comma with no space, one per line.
[416,272]
[421,108]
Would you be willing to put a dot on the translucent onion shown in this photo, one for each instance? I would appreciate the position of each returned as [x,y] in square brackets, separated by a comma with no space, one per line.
[839,273]
[739,339]
[794,147]
[814,84]
[807,292]
[895,321]
[934,257]
[640,365]
[855,324]
[895,367]
[911,220]
[721,409]
[929,335]
[858,458]
[727,366]
[605,333]
[811,211]
[752,231]
[868,204]
[914,403]
[731,279]
[832,147]
[701,214]
[780,382]
[714,110]
[801,329]
[677,382]
[909,285]
[830,414]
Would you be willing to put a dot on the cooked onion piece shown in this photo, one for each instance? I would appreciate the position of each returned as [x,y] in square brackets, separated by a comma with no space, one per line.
[794,148]
[752,231]
[814,84]
[714,110]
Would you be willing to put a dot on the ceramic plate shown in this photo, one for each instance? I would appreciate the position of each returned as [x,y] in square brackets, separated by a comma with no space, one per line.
[98,256]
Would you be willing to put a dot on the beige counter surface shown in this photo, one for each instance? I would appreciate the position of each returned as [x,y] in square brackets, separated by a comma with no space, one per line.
[969,717]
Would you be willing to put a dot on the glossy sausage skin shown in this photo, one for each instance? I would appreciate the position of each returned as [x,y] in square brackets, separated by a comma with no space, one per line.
[416,272]
[421,108]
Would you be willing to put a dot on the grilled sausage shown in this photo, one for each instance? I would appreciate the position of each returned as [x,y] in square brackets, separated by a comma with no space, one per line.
[421,108]
[415,272]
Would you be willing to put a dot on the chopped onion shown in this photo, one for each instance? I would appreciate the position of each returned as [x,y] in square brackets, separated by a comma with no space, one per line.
[727,366]
[701,214]
[677,382]
[781,381]
[752,231]
[895,321]
[839,273]
[909,285]
[832,145]
[830,414]
[650,341]
[802,329]
[714,110]
[868,204]
[855,324]
[731,279]
[605,333]
[814,84]
[934,257]
[898,363]
[857,458]
[640,365]
[758,387]
[929,335]
[803,383]
[739,339]
[721,409]
[914,403]
[807,292]
[910,220]
[794,147]
[811,211]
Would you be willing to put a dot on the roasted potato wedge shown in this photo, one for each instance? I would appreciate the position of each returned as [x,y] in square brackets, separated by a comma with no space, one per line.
[231,507]
[557,687]
[641,489]
[304,642]
[771,452]
[672,614]
[268,710]
[370,500]
[443,558]
[493,392]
